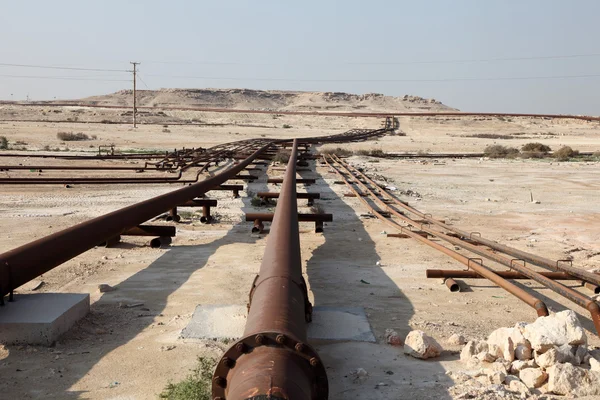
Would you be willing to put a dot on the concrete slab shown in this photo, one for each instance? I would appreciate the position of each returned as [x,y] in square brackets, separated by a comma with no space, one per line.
[42,317]
[329,323]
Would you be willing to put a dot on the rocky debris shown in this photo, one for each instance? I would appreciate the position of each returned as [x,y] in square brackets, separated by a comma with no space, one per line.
[562,354]
[359,375]
[555,330]
[519,365]
[472,349]
[566,379]
[533,377]
[456,340]
[392,337]
[518,386]
[104,287]
[531,359]
[417,344]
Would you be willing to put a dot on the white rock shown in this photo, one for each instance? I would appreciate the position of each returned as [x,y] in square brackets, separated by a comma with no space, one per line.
[486,357]
[555,355]
[456,340]
[567,379]
[495,350]
[581,354]
[508,350]
[417,344]
[523,352]
[471,349]
[496,377]
[533,377]
[518,386]
[594,364]
[103,288]
[498,337]
[555,330]
[501,365]
[519,365]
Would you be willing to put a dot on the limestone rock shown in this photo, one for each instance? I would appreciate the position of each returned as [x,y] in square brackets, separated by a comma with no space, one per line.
[456,340]
[562,354]
[471,349]
[104,287]
[523,352]
[555,330]
[419,345]
[517,386]
[533,377]
[567,379]
[508,349]
[520,365]
[495,350]
[501,365]
[496,377]
[486,357]
[392,337]
[594,365]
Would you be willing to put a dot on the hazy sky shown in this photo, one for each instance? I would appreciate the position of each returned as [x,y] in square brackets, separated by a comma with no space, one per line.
[448,50]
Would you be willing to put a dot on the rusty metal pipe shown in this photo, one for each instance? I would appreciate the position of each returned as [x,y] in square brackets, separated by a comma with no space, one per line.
[26,262]
[565,291]
[452,285]
[273,360]
[523,255]
[452,273]
[474,264]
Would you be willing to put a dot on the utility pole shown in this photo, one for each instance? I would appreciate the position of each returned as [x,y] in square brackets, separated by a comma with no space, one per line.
[135,64]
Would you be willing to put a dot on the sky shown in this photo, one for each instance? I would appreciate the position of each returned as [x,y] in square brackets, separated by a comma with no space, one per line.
[534,56]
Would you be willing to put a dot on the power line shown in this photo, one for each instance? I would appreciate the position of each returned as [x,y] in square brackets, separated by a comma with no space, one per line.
[140,78]
[388,63]
[63,78]
[379,80]
[62,68]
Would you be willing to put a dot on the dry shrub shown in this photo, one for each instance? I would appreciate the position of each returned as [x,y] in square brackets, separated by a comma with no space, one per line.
[338,151]
[72,137]
[282,156]
[536,148]
[565,153]
[499,151]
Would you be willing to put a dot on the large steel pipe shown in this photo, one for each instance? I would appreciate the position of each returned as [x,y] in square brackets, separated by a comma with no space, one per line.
[273,360]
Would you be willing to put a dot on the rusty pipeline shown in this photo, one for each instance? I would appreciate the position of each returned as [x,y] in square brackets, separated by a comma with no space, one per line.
[452,273]
[273,359]
[472,263]
[560,265]
[27,262]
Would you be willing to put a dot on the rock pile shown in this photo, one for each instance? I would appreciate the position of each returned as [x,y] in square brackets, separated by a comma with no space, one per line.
[548,356]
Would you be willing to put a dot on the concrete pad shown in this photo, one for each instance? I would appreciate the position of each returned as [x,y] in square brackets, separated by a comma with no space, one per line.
[329,323]
[42,317]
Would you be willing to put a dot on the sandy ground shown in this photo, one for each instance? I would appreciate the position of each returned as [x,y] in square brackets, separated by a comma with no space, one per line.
[118,352]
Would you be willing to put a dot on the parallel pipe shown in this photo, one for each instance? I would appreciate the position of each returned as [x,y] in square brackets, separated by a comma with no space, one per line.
[475,264]
[565,291]
[453,273]
[20,265]
[476,237]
